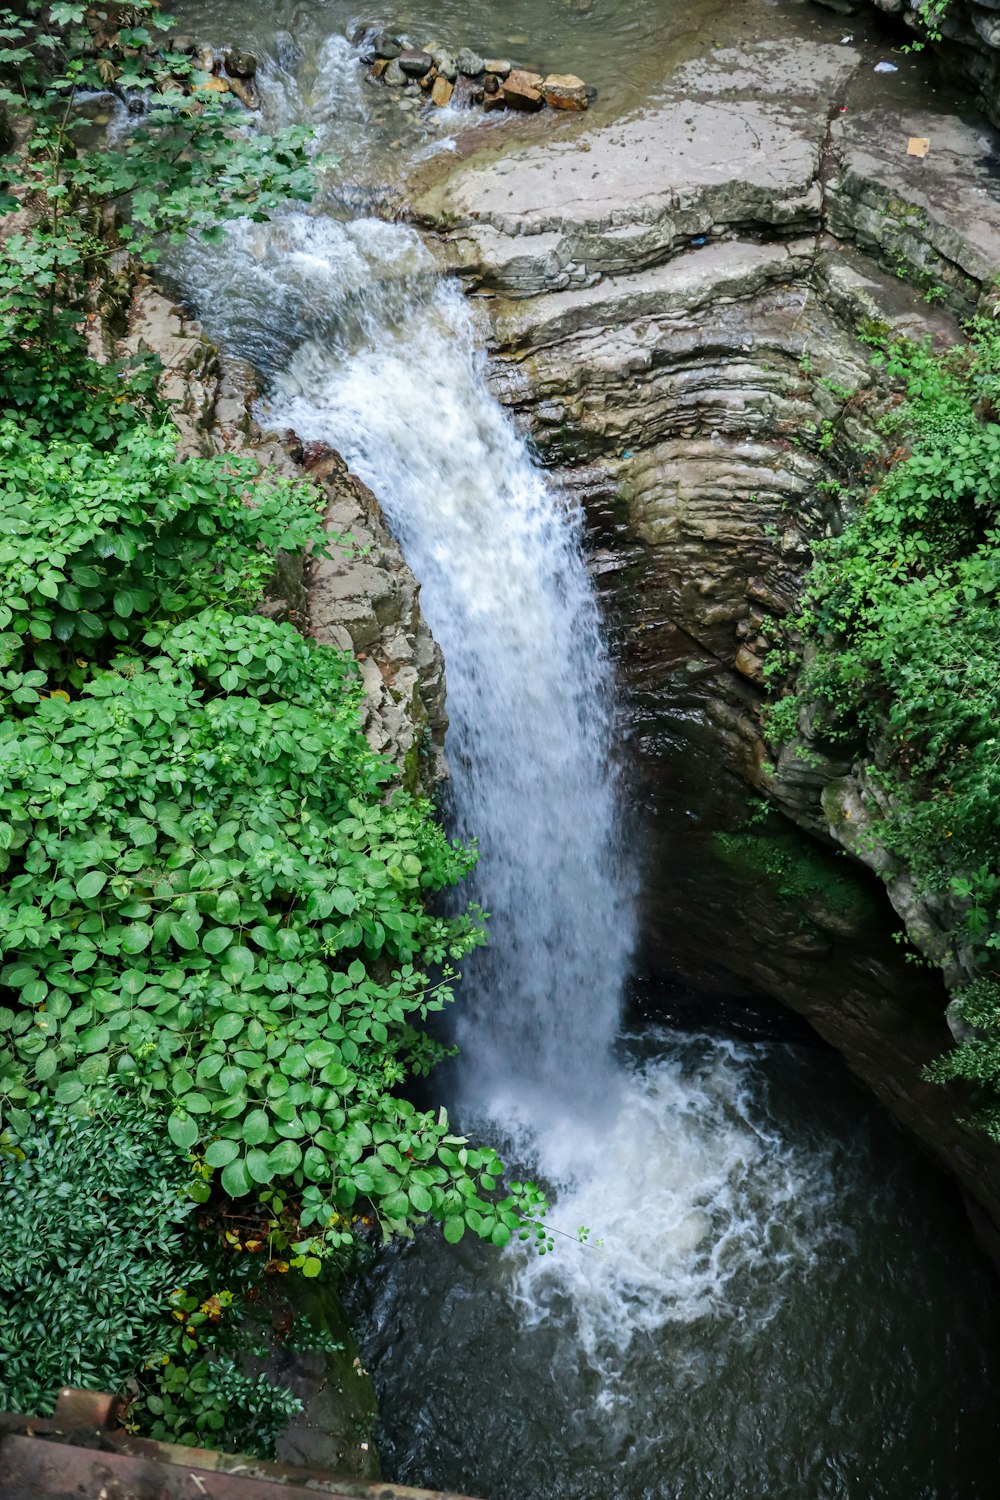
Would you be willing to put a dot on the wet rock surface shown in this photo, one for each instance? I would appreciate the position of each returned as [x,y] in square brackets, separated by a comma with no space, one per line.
[675,304]
[966,39]
[363,597]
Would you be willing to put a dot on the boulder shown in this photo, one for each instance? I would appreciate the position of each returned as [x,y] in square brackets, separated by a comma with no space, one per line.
[241,64]
[523,90]
[498,65]
[564,91]
[469,62]
[385,45]
[441,91]
[415,64]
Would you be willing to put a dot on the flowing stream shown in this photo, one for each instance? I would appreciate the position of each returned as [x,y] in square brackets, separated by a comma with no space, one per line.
[775,1298]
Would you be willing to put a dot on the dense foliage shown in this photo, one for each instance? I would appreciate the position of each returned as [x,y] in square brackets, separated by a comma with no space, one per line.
[98,1286]
[93,1241]
[188,163]
[899,638]
[216,921]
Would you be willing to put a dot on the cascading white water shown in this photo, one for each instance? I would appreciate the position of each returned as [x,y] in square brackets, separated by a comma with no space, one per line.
[508,597]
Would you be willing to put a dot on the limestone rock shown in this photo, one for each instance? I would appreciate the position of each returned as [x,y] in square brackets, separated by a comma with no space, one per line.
[523,90]
[441,91]
[564,91]
[246,92]
[469,62]
[394,75]
[444,62]
[496,65]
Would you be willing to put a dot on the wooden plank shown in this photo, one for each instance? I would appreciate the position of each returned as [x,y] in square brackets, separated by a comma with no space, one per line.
[32,1468]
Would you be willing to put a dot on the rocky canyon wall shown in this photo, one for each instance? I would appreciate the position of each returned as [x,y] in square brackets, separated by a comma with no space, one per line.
[677,307]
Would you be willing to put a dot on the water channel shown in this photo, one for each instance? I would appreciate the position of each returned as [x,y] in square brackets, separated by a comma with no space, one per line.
[777,1295]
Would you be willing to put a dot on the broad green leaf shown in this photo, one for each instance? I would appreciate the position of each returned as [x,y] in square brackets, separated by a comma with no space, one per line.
[256,1126]
[216,939]
[236,1180]
[227,1026]
[221,1153]
[183,1131]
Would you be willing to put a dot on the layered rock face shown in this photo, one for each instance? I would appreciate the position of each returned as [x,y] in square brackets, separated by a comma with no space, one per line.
[677,307]
[363,597]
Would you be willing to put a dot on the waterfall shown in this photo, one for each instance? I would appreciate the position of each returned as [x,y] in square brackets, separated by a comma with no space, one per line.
[508,597]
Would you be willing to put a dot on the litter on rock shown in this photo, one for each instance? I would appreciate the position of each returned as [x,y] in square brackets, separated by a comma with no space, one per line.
[918,145]
[886,67]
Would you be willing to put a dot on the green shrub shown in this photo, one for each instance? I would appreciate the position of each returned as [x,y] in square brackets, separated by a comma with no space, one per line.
[894,653]
[95,1218]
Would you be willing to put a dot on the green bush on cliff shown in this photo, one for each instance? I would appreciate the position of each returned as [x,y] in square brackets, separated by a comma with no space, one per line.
[207,896]
[188,163]
[214,917]
[100,1285]
[898,639]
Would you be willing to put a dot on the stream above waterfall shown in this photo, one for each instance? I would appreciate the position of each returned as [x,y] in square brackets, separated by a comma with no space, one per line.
[759,1285]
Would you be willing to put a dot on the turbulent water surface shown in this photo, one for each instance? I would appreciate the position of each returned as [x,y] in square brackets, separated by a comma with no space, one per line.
[775,1296]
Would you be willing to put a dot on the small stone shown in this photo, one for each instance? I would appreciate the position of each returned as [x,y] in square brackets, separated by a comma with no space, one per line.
[469,62]
[415,64]
[183,43]
[564,91]
[241,64]
[394,75]
[246,92]
[427,82]
[491,84]
[523,90]
[467,92]
[213,86]
[444,61]
[442,91]
[377,68]
[498,65]
[385,45]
